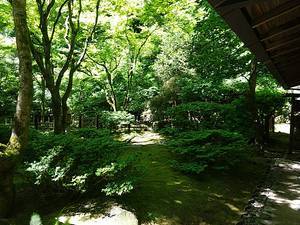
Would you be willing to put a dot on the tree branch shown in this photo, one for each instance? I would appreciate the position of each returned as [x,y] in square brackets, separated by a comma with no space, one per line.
[144,43]
[57,19]
[88,39]
[70,28]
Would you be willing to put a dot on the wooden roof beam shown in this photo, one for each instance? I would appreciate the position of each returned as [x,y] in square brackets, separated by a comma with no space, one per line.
[236,16]
[275,13]
[281,61]
[235,4]
[282,66]
[220,3]
[285,52]
[277,45]
[293,25]
[284,61]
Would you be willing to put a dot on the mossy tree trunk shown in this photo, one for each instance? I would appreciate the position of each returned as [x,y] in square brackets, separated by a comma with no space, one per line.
[20,131]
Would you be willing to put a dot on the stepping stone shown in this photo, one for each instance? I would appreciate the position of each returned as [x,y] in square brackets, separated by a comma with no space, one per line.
[116,216]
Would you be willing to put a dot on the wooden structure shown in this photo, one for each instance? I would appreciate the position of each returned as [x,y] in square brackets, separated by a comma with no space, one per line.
[271,30]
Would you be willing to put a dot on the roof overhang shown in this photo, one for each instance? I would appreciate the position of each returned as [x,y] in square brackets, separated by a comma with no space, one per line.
[271,30]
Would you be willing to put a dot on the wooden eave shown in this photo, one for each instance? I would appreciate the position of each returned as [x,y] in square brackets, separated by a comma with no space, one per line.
[271,30]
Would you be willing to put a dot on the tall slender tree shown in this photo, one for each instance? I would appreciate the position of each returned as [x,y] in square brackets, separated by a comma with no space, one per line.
[19,137]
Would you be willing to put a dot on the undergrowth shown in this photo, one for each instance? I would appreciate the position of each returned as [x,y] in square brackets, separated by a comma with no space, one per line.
[80,161]
[198,151]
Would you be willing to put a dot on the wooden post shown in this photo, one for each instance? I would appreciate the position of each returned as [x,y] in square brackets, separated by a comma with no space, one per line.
[292,126]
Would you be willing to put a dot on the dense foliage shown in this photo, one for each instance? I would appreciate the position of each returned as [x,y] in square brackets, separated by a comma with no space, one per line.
[113,120]
[82,160]
[209,149]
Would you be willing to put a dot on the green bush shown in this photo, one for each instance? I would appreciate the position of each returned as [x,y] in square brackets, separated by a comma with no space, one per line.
[74,161]
[120,176]
[208,149]
[91,132]
[169,131]
[196,115]
[111,120]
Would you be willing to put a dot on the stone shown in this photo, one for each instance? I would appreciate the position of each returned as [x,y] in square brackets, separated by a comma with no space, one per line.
[115,216]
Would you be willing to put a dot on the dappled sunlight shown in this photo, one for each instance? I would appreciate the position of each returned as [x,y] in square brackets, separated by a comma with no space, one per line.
[282,128]
[293,204]
[286,191]
[217,195]
[279,201]
[178,202]
[233,208]
[145,138]
[174,183]
[35,219]
[168,197]
[293,166]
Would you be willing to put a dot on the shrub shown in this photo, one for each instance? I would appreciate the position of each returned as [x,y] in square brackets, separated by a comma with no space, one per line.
[197,115]
[120,176]
[214,149]
[169,131]
[111,120]
[91,132]
[76,161]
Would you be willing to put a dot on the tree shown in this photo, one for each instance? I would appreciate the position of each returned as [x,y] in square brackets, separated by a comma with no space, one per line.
[20,131]
[133,34]
[68,60]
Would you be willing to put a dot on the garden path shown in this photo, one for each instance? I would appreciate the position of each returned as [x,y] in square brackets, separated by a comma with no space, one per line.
[278,200]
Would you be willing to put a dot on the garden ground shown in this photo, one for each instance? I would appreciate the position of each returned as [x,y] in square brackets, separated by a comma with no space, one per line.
[166,196]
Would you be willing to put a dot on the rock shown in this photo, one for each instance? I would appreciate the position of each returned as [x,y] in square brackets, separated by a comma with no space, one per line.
[116,216]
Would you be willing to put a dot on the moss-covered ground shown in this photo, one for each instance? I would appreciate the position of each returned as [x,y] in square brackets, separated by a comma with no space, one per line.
[166,196]
[170,197]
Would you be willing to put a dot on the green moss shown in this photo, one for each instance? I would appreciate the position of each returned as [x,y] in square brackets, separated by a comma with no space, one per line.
[167,196]
[13,148]
[170,197]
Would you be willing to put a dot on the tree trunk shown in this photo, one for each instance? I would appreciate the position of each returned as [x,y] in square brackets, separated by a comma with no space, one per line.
[113,94]
[251,99]
[64,115]
[57,112]
[128,89]
[20,132]
[43,101]
[60,108]
[111,101]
